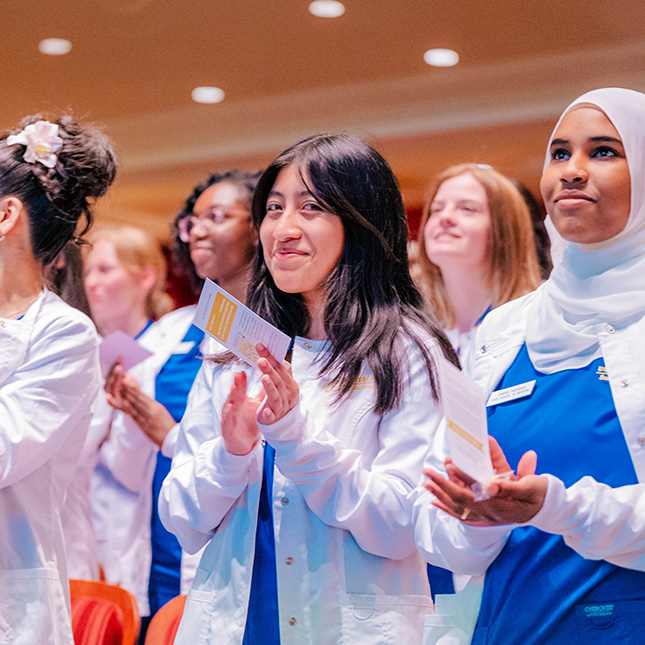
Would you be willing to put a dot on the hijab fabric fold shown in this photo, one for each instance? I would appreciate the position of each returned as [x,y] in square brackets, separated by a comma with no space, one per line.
[595,283]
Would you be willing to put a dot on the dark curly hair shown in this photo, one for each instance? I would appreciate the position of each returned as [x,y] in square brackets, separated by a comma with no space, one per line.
[245,181]
[57,198]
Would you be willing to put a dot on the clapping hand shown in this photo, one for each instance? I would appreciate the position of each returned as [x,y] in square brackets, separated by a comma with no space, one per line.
[513,500]
[279,394]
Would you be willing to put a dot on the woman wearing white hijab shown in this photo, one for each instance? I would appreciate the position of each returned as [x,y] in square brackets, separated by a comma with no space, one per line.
[581,338]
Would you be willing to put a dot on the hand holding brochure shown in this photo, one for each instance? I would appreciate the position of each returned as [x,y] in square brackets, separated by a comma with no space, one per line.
[466,427]
[236,327]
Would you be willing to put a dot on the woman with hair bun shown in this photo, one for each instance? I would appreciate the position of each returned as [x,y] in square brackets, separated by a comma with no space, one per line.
[50,175]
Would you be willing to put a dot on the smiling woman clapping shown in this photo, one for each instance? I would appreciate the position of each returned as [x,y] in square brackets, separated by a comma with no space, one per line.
[297,475]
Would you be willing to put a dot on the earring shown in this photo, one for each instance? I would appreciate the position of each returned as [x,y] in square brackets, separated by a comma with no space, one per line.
[1,238]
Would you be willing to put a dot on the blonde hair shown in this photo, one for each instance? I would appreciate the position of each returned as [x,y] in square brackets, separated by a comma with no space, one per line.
[137,249]
[513,268]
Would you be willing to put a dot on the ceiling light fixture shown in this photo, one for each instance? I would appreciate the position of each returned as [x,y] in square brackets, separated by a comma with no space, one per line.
[54,46]
[208,94]
[441,57]
[327,8]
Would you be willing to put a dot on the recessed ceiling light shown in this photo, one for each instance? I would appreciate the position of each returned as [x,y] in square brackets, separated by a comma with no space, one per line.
[441,57]
[54,46]
[207,94]
[327,8]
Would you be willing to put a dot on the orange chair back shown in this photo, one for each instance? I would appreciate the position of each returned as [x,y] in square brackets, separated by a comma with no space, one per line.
[103,614]
[165,623]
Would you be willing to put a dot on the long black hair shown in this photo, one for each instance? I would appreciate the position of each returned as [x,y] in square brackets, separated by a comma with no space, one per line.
[371,300]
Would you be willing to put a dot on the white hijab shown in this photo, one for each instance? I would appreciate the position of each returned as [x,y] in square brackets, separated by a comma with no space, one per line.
[595,283]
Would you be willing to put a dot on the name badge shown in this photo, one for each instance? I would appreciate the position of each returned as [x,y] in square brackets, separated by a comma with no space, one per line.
[511,393]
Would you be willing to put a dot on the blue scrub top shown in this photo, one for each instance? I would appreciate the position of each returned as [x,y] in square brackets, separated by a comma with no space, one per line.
[539,590]
[262,623]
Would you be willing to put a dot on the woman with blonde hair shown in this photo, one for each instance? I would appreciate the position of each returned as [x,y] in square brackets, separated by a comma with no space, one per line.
[124,275]
[579,340]
[476,248]
[125,256]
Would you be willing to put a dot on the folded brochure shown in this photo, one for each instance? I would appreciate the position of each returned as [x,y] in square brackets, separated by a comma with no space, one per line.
[236,327]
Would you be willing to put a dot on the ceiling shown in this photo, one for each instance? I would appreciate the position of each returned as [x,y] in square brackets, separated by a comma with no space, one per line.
[288,74]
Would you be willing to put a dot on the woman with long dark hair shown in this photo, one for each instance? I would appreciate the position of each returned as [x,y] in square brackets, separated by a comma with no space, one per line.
[300,487]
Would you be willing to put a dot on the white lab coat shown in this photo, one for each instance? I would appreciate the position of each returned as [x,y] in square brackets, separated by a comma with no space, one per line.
[49,378]
[122,481]
[598,521]
[622,343]
[76,515]
[348,570]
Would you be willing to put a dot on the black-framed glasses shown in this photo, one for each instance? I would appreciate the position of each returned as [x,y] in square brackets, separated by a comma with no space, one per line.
[208,218]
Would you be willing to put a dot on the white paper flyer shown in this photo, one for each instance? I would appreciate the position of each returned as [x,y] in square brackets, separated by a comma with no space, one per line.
[119,344]
[466,427]
[236,327]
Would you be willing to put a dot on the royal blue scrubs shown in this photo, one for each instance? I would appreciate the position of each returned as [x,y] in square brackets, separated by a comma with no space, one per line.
[262,624]
[538,590]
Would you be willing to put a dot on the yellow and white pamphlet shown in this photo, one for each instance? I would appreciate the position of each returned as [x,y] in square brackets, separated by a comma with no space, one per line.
[464,408]
[236,327]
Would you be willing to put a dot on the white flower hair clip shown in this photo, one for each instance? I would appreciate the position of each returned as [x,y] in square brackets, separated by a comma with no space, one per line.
[42,142]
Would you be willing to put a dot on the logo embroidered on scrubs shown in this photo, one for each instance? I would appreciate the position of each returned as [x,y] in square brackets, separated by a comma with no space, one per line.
[600,616]
[602,373]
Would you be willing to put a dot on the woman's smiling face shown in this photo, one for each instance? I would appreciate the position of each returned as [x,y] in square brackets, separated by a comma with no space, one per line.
[301,241]
[113,291]
[587,186]
[458,229]
[222,248]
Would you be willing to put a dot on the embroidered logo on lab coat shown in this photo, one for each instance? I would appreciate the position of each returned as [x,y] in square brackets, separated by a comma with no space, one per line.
[363,382]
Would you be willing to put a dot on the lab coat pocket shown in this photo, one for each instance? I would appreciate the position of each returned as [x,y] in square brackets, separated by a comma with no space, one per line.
[196,621]
[33,608]
[378,618]
[445,629]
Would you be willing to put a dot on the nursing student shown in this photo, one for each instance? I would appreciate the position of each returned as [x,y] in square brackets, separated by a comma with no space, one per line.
[124,276]
[213,238]
[297,475]
[51,172]
[476,249]
[580,338]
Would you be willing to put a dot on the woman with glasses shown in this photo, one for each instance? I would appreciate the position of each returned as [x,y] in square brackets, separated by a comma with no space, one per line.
[213,238]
